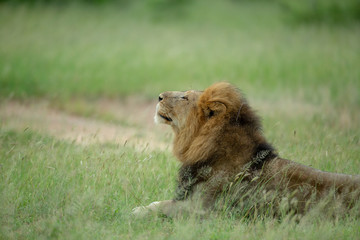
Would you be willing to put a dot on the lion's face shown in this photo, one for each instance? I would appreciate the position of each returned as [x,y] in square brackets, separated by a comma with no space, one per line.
[174,107]
[204,121]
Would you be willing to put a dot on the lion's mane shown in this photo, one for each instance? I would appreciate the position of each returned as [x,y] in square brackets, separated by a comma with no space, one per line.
[221,117]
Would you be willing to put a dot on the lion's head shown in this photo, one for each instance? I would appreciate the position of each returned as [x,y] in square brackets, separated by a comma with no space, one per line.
[213,121]
[174,107]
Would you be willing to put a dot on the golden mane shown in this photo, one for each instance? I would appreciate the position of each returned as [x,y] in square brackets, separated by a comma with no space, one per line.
[219,105]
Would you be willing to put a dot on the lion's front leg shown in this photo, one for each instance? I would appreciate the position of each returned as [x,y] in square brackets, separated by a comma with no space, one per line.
[163,207]
[171,208]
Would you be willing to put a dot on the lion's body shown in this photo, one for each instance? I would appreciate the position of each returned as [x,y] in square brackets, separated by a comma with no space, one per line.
[218,140]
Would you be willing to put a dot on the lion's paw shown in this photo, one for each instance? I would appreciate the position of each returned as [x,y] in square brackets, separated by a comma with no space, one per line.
[144,210]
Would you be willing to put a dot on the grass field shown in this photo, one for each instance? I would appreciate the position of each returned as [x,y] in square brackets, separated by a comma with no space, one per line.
[304,80]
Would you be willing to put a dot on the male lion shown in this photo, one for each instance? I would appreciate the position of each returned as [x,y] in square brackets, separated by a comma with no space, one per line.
[226,160]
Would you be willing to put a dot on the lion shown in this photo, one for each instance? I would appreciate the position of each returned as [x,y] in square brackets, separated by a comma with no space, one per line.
[226,162]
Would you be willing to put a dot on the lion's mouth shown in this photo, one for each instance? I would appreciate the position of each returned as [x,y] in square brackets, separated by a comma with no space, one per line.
[166,118]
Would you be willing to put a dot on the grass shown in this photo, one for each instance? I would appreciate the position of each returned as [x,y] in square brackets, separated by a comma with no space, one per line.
[48,185]
[55,189]
[304,80]
[77,51]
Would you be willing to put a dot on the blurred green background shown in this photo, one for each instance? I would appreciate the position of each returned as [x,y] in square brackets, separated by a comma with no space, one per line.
[97,48]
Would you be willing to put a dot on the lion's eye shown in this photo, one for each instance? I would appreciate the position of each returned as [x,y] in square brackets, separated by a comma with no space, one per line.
[184,97]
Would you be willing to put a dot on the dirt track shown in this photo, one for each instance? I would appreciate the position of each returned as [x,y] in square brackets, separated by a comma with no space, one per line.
[132,120]
[40,116]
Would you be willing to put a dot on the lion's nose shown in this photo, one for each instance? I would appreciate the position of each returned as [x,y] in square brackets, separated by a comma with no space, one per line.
[160,97]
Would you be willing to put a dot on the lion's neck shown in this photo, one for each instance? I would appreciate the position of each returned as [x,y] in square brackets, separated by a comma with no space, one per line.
[262,154]
[193,144]
[182,146]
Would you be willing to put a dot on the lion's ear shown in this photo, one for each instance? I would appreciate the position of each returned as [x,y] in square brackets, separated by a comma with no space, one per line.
[214,109]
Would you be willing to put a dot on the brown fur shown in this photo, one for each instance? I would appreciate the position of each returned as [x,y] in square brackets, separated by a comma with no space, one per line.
[219,141]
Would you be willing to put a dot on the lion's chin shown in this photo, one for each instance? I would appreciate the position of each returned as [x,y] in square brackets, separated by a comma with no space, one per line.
[162,119]
[165,118]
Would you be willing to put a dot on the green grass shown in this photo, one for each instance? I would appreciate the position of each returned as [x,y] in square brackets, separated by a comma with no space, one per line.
[116,51]
[55,189]
[304,80]
[48,186]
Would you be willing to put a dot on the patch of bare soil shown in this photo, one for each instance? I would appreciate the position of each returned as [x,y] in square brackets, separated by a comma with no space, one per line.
[131,120]
[137,130]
